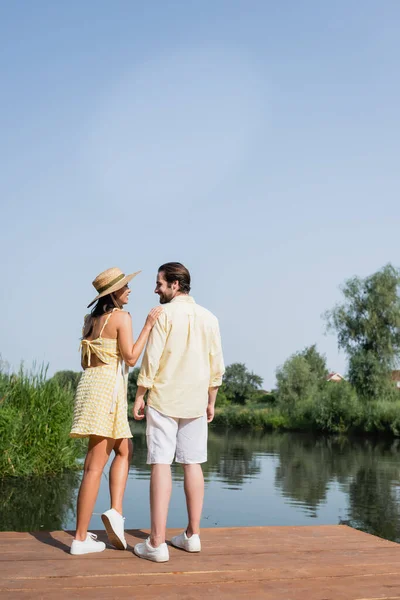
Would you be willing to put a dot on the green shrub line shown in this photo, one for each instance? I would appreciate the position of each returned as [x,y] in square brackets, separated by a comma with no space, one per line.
[331,414]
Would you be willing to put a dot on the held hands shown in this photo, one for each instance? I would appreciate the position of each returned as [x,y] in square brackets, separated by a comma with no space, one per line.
[138,409]
[153,316]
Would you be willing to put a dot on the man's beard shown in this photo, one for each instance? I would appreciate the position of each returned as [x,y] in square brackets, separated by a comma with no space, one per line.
[164,299]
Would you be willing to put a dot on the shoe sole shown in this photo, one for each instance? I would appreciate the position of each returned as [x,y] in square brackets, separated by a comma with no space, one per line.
[185,549]
[112,536]
[151,559]
[88,552]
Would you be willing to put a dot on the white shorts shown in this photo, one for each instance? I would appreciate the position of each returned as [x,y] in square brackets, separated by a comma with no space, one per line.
[186,439]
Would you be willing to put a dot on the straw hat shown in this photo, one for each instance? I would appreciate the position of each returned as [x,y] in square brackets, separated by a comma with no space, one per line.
[110,281]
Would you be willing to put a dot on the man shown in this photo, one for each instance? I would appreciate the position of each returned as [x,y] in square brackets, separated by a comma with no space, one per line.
[182,369]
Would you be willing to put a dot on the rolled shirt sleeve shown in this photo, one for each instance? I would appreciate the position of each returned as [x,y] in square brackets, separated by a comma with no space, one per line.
[153,353]
[217,367]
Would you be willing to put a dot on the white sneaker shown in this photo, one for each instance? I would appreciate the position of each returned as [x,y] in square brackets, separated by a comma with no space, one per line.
[146,550]
[191,544]
[114,524]
[88,546]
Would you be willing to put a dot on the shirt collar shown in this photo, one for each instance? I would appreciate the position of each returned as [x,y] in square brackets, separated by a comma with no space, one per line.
[183,298]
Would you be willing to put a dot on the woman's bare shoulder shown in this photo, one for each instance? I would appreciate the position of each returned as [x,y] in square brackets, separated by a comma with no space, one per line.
[121,317]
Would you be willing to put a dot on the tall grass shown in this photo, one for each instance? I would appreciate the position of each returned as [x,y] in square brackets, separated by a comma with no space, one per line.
[35,420]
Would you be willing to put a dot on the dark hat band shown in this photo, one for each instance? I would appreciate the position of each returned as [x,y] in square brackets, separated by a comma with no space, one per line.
[110,284]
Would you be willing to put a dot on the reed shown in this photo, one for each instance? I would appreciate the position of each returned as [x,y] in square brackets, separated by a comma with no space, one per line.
[35,420]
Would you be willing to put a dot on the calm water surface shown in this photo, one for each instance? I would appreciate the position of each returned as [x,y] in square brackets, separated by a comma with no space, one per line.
[251,479]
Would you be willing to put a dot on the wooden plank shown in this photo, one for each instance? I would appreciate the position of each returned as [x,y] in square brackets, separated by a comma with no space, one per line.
[338,589]
[317,563]
[324,564]
[216,541]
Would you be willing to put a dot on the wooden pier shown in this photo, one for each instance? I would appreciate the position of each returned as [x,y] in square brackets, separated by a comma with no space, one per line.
[273,563]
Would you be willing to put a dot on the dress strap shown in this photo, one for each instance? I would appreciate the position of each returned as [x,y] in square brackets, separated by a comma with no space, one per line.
[106,321]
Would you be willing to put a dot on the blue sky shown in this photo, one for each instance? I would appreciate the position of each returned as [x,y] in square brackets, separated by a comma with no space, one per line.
[257,142]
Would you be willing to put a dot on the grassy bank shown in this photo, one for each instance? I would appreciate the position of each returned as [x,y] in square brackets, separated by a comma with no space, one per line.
[378,417]
[35,420]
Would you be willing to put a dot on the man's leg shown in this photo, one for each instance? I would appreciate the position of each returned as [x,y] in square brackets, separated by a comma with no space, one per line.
[194,491]
[160,494]
[161,443]
[191,451]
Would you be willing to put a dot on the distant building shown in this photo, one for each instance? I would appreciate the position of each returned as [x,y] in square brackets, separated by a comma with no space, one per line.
[335,377]
[396,378]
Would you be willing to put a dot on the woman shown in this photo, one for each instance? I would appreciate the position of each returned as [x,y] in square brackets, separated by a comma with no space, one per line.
[101,404]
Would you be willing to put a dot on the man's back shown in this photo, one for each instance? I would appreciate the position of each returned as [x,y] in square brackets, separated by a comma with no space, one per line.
[183,359]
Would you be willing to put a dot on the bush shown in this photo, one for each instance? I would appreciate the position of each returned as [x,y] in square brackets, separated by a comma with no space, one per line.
[35,420]
[261,399]
[381,416]
[249,418]
[336,408]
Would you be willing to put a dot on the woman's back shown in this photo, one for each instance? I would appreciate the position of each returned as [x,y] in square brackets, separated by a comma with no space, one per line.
[100,340]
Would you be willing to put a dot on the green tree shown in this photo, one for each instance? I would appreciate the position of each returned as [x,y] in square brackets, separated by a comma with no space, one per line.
[300,378]
[67,379]
[222,400]
[316,362]
[367,324]
[240,384]
[295,383]
[132,384]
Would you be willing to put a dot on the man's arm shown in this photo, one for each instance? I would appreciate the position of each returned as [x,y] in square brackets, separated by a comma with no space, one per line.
[217,369]
[151,363]
[212,396]
[138,407]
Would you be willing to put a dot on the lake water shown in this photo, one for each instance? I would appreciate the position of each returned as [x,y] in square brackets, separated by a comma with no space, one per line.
[251,479]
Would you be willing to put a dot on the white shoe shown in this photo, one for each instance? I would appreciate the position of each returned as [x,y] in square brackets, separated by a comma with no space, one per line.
[191,544]
[88,546]
[146,550]
[114,524]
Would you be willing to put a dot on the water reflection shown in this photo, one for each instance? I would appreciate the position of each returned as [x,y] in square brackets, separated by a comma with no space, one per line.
[37,503]
[251,479]
[233,458]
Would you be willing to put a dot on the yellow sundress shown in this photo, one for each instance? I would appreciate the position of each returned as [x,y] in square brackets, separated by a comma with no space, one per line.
[101,406]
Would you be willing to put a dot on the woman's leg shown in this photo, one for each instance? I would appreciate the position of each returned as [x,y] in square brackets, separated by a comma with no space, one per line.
[98,453]
[119,472]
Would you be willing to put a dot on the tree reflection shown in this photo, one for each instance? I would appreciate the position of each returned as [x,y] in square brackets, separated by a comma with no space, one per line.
[233,458]
[37,503]
[309,464]
[367,471]
[373,496]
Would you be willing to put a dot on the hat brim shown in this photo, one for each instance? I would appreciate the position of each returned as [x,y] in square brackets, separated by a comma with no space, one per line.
[115,287]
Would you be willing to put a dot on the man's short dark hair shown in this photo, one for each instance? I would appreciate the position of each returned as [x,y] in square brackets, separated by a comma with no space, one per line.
[175,271]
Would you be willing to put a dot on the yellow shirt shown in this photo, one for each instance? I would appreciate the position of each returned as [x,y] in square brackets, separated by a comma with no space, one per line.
[183,358]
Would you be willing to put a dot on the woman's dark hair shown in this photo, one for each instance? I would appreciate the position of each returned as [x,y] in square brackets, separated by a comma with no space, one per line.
[175,271]
[102,306]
